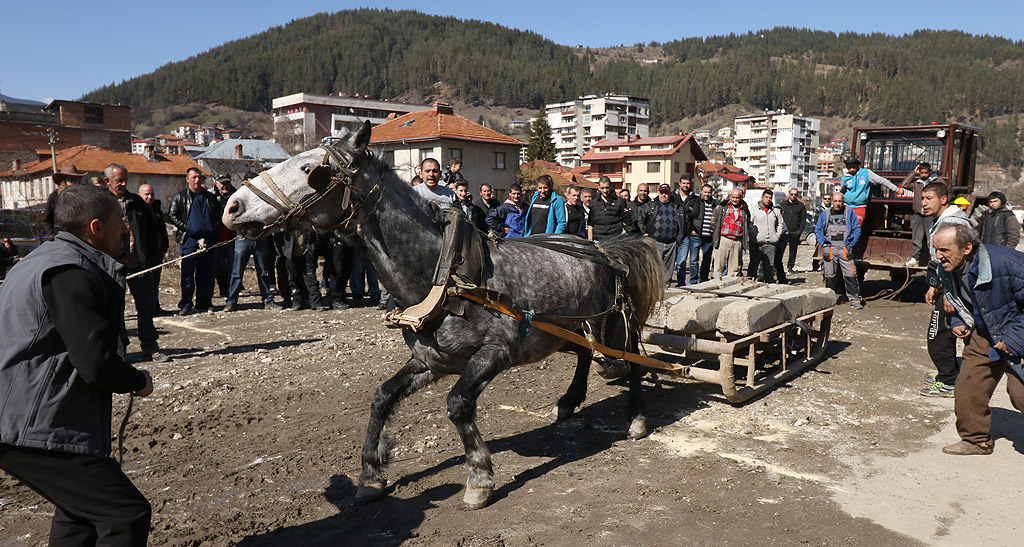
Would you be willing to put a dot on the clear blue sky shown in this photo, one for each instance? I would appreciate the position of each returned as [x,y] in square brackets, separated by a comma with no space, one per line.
[63,49]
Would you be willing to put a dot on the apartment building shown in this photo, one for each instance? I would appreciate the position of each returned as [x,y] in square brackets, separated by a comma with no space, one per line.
[578,124]
[779,149]
[301,120]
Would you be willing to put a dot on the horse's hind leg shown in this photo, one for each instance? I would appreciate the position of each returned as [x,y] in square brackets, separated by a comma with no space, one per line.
[481,369]
[376,449]
[577,392]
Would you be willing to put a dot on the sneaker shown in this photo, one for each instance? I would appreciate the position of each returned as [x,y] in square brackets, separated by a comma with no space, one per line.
[912,263]
[790,271]
[938,389]
[230,307]
[964,448]
[322,307]
[271,305]
[857,305]
[931,379]
[340,305]
[296,306]
[155,356]
[185,310]
[382,306]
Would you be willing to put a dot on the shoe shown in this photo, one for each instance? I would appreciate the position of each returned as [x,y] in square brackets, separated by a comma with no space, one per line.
[938,389]
[296,306]
[186,309]
[912,263]
[340,305]
[155,356]
[230,307]
[322,307]
[790,271]
[931,379]
[857,305]
[382,306]
[271,305]
[964,448]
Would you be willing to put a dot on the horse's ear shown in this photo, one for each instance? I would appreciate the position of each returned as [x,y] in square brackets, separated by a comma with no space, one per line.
[360,139]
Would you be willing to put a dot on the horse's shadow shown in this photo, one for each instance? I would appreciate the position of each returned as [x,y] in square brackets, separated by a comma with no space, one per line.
[393,520]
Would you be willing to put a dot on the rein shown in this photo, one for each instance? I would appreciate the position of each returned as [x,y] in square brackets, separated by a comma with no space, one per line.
[342,181]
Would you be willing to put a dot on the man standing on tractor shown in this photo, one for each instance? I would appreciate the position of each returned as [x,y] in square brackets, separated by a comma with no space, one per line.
[856,186]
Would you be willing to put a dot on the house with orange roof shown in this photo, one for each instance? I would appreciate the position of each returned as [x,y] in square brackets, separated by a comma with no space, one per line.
[28,185]
[487,156]
[652,160]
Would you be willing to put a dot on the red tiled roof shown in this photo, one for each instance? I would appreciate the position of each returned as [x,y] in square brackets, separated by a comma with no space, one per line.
[735,177]
[671,139]
[95,160]
[426,125]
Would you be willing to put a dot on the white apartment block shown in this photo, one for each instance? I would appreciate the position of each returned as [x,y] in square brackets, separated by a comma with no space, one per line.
[576,125]
[779,150]
[301,120]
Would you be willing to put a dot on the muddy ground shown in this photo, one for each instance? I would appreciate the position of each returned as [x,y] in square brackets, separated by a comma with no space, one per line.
[253,436]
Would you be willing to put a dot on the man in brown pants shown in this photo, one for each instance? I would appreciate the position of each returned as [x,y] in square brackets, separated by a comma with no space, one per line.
[984,285]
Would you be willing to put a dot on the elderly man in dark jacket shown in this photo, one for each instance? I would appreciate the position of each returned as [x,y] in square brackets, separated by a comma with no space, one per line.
[984,285]
[62,357]
[141,249]
[664,220]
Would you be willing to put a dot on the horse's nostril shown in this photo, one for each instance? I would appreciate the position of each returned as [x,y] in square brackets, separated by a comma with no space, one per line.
[233,208]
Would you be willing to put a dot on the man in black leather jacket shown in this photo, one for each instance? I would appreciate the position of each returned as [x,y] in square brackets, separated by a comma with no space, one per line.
[195,214]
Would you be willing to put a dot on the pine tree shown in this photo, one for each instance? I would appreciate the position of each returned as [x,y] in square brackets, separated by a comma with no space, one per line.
[539,145]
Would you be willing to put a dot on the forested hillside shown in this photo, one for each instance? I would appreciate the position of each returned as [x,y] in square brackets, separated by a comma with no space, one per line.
[920,77]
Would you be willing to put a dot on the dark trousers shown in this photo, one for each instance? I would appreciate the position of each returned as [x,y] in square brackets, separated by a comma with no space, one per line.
[322,247]
[258,250]
[296,266]
[762,256]
[344,258]
[197,275]
[942,344]
[144,292]
[836,259]
[978,380]
[793,243]
[706,251]
[96,503]
[780,250]
[919,227]
[224,257]
[282,274]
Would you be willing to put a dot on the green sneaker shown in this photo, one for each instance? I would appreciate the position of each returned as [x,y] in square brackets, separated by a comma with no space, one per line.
[938,389]
[930,379]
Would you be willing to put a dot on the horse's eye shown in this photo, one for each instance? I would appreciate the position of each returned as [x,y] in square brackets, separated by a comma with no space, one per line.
[306,169]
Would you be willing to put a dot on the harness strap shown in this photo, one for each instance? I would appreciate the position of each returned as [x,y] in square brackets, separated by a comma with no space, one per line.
[273,186]
[570,336]
[262,195]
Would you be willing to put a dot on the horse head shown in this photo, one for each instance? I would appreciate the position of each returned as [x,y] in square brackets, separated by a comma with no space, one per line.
[316,189]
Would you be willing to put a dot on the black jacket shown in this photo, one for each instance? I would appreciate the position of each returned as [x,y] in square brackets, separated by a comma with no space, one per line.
[158,212]
[146,229]
[608,218]
[62,315]
[1000,227]
[647,215]
[181,205]
[795,216]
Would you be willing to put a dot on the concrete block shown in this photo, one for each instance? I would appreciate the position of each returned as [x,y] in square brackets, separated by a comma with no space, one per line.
[696,315]
[750,316]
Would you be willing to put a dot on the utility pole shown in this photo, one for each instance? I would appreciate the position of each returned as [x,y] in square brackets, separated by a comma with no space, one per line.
[53,151]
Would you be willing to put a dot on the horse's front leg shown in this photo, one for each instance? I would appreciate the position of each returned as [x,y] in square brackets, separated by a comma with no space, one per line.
[376,449]
[577,392]
[481,369]
[637,421]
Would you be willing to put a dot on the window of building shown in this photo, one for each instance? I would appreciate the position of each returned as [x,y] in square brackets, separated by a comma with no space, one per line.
[426,153]
[675,167]
[654,167]
[389,157]
[605,168]
[457,153]
[94,115]
[499,160]
[629,167]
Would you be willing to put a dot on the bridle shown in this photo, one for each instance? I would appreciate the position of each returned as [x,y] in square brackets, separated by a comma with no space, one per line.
[324,183]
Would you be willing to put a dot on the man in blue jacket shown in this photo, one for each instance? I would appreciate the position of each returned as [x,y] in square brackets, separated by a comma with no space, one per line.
[546,212]
[837,231]
[984,285]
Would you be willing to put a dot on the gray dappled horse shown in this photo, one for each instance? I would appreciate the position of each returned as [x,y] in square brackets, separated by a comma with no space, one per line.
[400,234]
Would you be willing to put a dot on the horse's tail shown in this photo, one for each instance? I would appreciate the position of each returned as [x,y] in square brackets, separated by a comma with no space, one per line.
[645,283]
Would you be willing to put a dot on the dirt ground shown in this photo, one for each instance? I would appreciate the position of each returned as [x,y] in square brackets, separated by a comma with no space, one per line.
[253,437]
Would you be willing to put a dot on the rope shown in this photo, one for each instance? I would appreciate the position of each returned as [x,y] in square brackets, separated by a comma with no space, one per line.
[120,430]
[180,258]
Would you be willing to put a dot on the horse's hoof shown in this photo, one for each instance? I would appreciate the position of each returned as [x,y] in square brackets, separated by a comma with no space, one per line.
[477,498]
[369,492]
[637,429]
[563,413]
